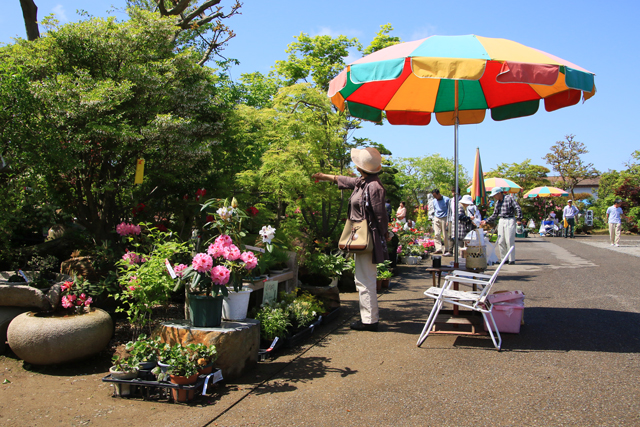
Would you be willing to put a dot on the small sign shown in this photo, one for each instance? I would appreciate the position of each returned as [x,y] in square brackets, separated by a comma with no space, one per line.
[172,273]
[270,292]
[139,171]
[254,249]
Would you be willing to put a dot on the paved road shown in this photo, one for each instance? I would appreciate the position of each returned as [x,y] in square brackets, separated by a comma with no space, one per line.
[575,362]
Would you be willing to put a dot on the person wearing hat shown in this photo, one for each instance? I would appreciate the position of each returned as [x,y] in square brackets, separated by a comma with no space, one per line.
[465,220]
[569,213]
[367,202]
[510,214]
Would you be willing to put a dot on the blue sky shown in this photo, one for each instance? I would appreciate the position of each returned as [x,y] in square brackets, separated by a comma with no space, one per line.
[599,36]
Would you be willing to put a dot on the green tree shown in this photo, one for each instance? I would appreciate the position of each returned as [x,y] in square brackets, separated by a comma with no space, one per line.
[101,95]
[525,174]
[565,159]
[382,40]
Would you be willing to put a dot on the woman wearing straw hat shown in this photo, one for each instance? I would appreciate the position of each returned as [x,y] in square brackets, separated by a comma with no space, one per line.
[367,202]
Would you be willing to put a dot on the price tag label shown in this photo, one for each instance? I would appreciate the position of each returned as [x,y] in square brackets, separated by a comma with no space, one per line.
[270,292]
[170,269]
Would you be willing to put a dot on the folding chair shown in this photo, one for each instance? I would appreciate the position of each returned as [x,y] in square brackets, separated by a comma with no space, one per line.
[474,300]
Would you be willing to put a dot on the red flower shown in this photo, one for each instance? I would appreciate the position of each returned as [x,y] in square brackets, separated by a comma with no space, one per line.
[252,211]
[186,197]
[200,193]
[162,227]
[210,218]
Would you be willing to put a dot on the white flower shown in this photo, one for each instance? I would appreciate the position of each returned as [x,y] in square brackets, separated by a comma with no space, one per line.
[226,213]
[267,233]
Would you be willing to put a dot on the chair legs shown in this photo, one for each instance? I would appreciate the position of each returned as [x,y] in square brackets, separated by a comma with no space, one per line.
[497,345]
[430,321]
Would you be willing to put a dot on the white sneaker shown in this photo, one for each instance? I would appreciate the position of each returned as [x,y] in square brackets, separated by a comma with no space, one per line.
[616,244]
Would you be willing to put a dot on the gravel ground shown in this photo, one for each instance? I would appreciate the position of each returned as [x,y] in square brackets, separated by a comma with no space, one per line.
[575,362]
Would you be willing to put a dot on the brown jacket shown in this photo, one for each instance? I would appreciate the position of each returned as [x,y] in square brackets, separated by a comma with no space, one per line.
[375,212]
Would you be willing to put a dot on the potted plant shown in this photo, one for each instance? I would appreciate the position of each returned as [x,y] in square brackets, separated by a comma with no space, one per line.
[324,269]
[74,297]
[145,350]
[274,321]
[182,371]
[205,356]
[125,367]
[383,275]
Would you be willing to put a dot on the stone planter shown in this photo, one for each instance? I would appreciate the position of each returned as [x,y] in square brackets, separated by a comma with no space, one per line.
[122,389]
[59,338]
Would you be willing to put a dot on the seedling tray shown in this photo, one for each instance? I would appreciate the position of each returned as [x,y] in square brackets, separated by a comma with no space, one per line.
[158,390]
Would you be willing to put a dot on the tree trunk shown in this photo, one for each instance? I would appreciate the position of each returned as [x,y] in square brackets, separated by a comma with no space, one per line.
[30,15]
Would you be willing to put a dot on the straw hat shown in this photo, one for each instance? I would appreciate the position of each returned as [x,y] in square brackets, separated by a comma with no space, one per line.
[466,200]
[368,159]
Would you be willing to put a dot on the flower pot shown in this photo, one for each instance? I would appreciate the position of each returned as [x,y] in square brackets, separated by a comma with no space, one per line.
[234,306]
[205,370]
[122,389]
[378,285]
[180,395]
[163,367]
[385,283]
[205,311]
[147,366]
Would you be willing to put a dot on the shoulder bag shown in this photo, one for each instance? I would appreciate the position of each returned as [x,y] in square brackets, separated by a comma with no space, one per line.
[356,236]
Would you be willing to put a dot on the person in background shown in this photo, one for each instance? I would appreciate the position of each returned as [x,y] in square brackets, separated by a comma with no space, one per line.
[387,206]
[614,219]
[440,215]
[510,214]
[366,202]
[465,221]
[569,213]
[401,213]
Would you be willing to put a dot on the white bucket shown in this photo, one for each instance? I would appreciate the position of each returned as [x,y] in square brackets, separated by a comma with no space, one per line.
[234,306]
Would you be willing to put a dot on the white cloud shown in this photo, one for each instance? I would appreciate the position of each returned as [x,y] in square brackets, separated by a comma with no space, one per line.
[61,15]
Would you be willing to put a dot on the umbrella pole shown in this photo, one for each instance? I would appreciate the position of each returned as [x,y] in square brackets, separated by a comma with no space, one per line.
[455,192]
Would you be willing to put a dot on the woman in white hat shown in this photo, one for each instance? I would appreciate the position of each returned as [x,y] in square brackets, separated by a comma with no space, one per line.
[367,202]
[465,219]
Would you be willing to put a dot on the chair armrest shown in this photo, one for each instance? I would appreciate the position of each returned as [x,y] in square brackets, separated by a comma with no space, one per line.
[466,280]
[469,274]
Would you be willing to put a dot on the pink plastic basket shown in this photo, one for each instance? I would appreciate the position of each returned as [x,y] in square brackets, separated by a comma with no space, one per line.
[512,297]
[508,317]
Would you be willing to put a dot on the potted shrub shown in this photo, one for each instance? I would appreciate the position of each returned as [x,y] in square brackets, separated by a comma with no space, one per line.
[383,275]
[145,350]
[274,321]
[178,363]
[205,356]
[324,269]
[125,367]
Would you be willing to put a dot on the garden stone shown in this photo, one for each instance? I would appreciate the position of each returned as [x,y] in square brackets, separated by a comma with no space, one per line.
[49,339]
[7,314]
[12,295]
[237,343]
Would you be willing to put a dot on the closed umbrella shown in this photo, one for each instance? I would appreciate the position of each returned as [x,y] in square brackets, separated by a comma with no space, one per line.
[478,189]
[457,78]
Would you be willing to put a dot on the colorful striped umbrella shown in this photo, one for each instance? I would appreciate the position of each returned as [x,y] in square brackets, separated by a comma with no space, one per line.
[505,183]
[545,192]
[478,190]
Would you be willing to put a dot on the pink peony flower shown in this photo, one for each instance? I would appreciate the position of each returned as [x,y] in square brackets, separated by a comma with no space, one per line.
[179,269]
[231,253]
[220,275]
[224,240]
[202,263]
[250,260]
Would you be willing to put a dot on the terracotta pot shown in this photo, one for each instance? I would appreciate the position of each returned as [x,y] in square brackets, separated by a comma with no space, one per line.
[180,395]
[206,370]
[378,285]
[385,283]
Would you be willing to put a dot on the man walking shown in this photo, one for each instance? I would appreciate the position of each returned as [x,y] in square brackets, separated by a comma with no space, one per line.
[440,215]
[569,213]
[510,214]
[614,215]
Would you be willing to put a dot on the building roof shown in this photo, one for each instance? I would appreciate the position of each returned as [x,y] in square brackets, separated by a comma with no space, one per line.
[589,182]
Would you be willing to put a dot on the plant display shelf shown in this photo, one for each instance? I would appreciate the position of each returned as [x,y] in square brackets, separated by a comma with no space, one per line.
[158,390]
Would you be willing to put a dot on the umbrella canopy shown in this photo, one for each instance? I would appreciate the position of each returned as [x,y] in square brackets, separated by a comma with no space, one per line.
[505,183]
[478,190]
[458,77]
[546,192]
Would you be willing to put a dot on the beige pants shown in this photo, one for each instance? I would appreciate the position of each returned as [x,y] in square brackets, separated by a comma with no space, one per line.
[507,237]
[440,231]
[366,284]
[614,233]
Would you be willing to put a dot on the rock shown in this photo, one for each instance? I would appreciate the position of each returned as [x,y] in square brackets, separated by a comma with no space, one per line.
[49,339]
[237,343]
[23,296]
[7,314]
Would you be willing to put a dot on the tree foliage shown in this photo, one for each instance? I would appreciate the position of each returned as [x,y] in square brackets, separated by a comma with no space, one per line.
[382,40]
[565,159]
[524,174]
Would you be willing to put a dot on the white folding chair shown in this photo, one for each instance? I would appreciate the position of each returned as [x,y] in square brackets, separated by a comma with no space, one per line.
[473,300]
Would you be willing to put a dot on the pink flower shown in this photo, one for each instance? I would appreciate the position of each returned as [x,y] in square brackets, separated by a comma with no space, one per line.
[250,260]
[224,240]
[179,269]
[132,258]
[66,286]
[66,303]
[231,253]
[124,229]
[220,275]
[88,302]
[216,250]
[202,263]
[71,298]
[132,288]
[399,248]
